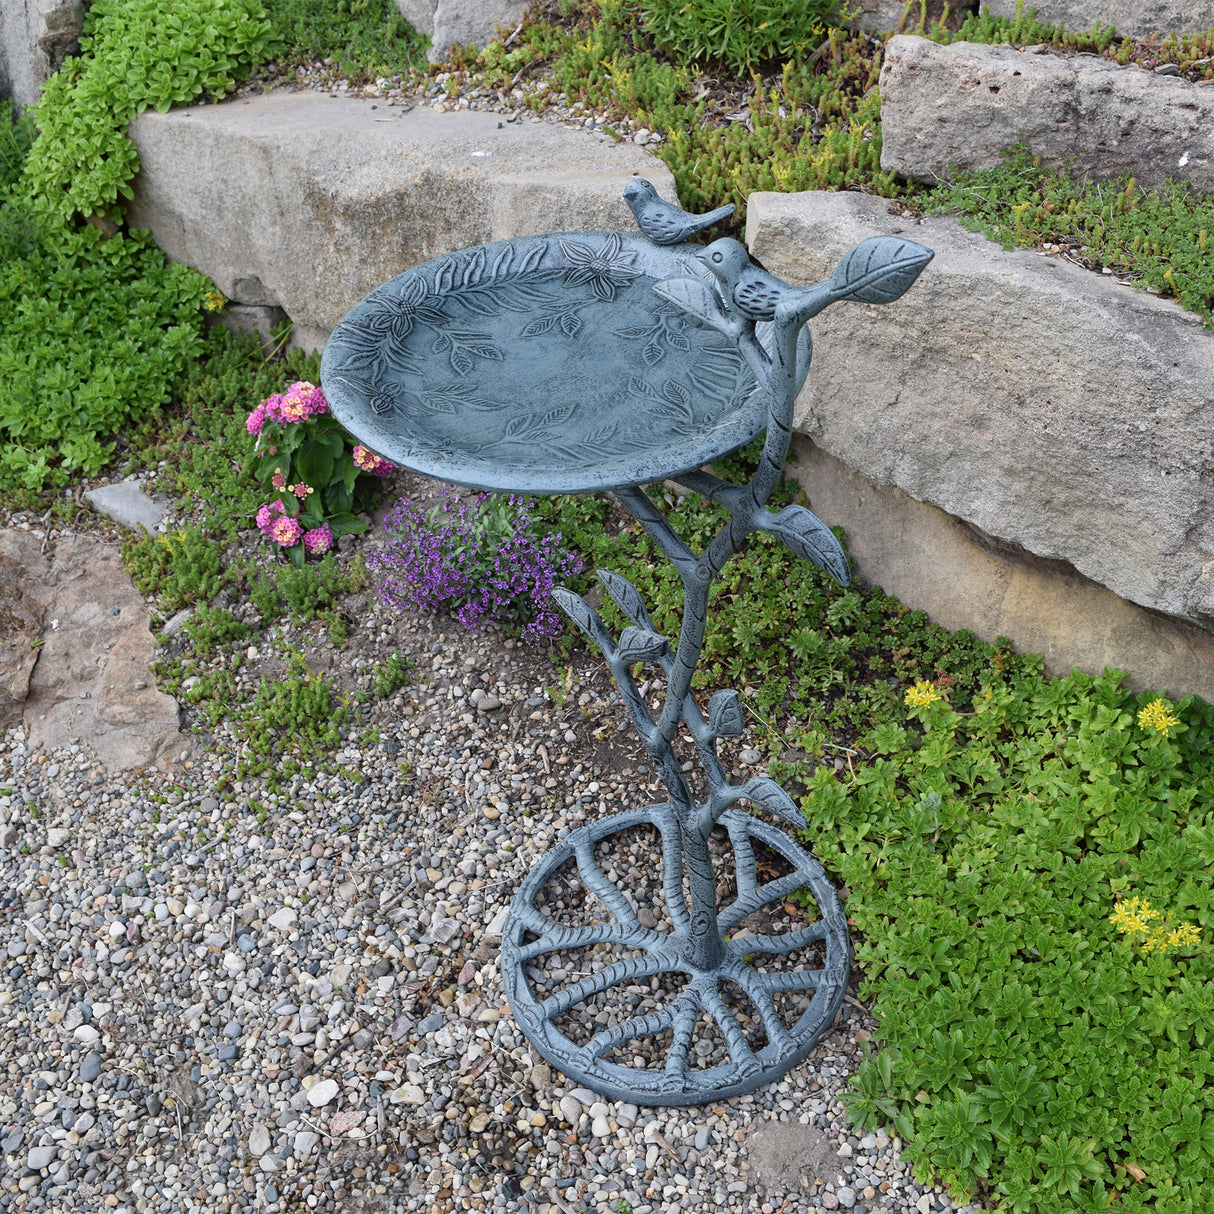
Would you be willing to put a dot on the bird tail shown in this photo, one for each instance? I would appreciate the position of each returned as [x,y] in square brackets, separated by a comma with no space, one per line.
[717,215]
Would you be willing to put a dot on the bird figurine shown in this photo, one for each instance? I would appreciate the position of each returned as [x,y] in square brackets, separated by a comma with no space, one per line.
[663,222]
[750,291]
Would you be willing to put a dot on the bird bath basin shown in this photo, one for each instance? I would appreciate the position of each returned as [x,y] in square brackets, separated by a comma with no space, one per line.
[595,360]
[547,364]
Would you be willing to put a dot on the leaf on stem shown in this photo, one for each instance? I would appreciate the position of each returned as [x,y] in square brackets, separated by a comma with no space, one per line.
[641,645]
[771,797]
[879,270]
[725,717]
[809,538]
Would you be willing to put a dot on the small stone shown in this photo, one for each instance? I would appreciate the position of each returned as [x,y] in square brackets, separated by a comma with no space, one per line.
[90,1067]
[830,1201]
[320,1094]
[571,1110]
[303,1144]
[479,1123]
[86,1034]
[600,1127]
[641,137]
[488,703]
[847,1198]
[626,1116]
[283,920]
[40,1157]
[701,1140]
[259,1140]
[407,1093]
[343,1123]
[749,756]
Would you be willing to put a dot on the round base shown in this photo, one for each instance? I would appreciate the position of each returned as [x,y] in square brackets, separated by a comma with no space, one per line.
[642,1024]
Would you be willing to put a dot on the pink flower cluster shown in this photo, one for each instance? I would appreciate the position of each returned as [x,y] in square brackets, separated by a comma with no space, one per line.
[299,402]
[274,523]
[368,461]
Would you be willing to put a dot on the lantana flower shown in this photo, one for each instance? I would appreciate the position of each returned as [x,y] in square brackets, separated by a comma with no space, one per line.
[318,541]
[269,514]
[302,490]
[286,532]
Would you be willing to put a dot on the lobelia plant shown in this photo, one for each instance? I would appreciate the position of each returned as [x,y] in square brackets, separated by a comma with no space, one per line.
[483,559]
[320,476]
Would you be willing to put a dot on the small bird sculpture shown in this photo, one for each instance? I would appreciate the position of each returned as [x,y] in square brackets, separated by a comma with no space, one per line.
[752,292]
[663,222]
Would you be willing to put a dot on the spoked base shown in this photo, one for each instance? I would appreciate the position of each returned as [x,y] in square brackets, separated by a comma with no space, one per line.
[616,1005]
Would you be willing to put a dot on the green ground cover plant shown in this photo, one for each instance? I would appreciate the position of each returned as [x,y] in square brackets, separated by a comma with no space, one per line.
[1159,238]
[362,37]
[94,324]
[1031,880]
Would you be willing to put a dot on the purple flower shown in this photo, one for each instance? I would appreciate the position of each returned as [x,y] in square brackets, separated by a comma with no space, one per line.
[481,559]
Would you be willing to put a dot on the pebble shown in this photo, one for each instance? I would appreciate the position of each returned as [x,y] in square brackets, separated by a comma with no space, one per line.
[40,1157]
[280,975]
[259,1139]
[323,1093]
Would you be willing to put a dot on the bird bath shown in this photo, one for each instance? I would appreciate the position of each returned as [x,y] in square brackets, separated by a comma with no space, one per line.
[585,361]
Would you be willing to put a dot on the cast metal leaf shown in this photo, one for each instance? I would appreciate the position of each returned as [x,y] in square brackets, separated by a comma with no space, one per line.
[641,645]
[879,270]
[725,717]
[808,537]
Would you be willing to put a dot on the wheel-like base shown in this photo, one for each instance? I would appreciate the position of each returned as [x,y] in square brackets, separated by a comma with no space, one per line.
[665,1032]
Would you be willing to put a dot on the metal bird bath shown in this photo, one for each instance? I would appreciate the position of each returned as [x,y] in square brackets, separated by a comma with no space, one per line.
[590,361]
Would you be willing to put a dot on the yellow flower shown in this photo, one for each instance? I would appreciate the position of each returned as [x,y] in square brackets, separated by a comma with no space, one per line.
[1185,934]
[1156,716]
[1136,917]
[213,301]
[922,695]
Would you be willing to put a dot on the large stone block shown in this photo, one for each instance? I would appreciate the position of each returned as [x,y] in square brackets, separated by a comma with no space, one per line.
[1049,407]
[308,202]
[35,38]
[962,106]
[1128,16]
[470,22]
[419,14]
[962,578]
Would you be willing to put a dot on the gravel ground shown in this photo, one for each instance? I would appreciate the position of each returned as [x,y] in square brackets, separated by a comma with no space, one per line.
[216,997]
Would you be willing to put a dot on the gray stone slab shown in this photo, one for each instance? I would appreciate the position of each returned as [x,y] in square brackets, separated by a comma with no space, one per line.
[419,14]
[91,682]
[962,106]
[1127,16]
[933,562]
[1050,407]
[126,503]
[470,23]
[308,202]
[35,37]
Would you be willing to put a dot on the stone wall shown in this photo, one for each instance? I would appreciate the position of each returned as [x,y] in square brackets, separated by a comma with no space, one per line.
[1135,17]
[961,107]
[1050,411]
[307,202]
[35,37]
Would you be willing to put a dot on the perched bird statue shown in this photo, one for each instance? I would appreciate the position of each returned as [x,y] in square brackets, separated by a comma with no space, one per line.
[663,222]
[750,291]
